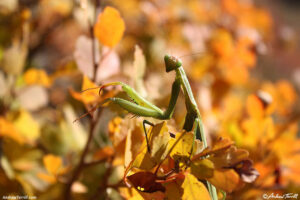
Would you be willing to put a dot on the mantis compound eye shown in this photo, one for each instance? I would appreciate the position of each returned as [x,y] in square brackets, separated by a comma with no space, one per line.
[172,63]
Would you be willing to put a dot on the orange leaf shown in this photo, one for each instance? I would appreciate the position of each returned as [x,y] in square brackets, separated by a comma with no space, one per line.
[110,27]
[227,180]
[89,96]
[103,153]
[46,177]
[7,129]
[222,43]
[52,163]
[255,107]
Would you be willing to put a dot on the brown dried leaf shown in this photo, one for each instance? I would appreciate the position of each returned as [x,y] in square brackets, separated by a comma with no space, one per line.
[146,182]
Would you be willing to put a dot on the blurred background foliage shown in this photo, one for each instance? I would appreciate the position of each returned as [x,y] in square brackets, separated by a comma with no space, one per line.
[241,56]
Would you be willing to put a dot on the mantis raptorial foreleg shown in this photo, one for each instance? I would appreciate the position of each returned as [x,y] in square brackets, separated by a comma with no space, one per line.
[141,106]
[138,99]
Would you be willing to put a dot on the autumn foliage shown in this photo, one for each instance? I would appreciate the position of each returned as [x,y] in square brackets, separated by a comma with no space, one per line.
[61,139]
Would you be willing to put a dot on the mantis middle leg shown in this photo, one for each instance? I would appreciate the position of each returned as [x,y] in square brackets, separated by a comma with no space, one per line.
[145,131]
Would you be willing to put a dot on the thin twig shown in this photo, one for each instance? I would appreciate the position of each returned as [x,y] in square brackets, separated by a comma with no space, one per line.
[92,163]
[80,166]
[93,121]
[104,184]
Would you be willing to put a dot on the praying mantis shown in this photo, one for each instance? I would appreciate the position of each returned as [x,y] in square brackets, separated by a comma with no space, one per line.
[141,107]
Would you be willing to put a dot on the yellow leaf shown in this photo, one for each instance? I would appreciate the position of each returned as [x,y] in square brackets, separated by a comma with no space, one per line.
[144,160]
[130,193]
[7,129]
[36,77]
[194,189]
[27,126]
[182,149]
[134,141]
[109,27]
[159,140]
[52,163]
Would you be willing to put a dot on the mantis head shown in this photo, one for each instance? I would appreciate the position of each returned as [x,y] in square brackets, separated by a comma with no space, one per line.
[172,63]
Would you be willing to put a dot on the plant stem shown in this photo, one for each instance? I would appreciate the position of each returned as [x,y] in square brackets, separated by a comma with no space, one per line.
[93,120]
[80,166]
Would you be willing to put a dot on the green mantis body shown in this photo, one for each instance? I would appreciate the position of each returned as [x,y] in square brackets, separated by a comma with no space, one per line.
[142,107]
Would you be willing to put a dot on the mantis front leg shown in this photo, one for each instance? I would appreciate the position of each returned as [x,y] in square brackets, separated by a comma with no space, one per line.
[141,106]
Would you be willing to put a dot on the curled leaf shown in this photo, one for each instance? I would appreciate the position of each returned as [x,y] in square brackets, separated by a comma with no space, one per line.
[229,157]
[246,171]
[221,145]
